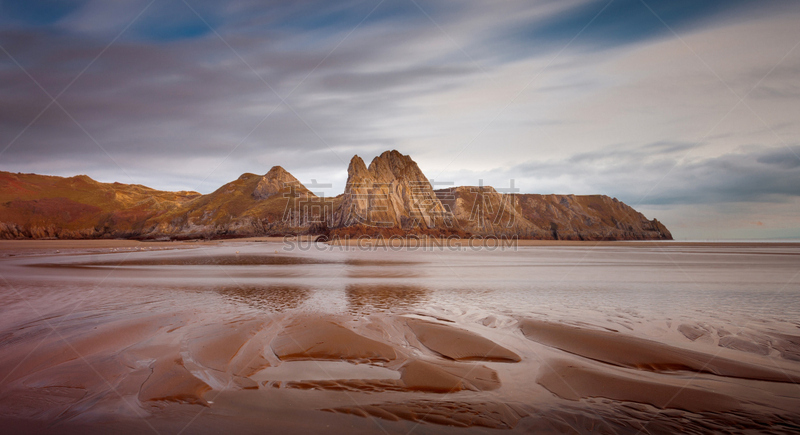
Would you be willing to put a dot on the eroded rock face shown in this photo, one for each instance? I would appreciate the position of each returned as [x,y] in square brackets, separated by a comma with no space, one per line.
[391,193]
[481,210]
[278,181]
[589,217]
[252,205]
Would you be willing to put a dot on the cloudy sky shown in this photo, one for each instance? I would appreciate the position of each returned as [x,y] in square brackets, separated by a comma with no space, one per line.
[685,109]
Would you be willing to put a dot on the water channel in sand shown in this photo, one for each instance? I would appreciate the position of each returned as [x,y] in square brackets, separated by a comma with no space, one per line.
[234,336]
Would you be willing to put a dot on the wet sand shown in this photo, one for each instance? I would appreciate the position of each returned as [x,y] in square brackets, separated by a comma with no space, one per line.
[45,246]
[142,342]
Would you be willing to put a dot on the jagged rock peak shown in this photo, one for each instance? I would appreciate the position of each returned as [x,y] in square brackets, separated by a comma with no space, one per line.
[357,170]
[391,193]
[392,165]
[277,181]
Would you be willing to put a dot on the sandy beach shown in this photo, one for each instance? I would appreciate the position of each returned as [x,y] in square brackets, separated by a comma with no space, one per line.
[201,337]
[399,217]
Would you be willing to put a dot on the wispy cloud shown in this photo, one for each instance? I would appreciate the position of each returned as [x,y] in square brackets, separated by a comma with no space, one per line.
[625,109]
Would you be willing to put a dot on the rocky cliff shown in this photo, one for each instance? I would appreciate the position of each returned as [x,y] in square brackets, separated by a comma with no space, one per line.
[391,196]
[391,193]
[38,206]
[275,203]
[589,217]
[482,210]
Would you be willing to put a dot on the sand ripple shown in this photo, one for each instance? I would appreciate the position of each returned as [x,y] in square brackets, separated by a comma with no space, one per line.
[448,413]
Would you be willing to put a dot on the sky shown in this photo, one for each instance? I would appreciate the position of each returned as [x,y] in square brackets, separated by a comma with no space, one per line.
[686,110]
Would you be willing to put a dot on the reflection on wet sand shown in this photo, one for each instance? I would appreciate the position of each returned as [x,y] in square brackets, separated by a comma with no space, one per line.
[369,297]
[378,263]
[271,298]
[194,260]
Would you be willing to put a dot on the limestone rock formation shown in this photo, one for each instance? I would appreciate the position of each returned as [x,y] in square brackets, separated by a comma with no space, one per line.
[391,193]
[390,197]
[589,217]
[481,210]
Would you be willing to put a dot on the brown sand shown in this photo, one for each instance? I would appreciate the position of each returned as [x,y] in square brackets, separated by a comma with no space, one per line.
[458,344]
[492,415]
[575,382]
[170,372]
[323,339]
[171,381]
[40,247]
[229,348]
[175,260]
[80,343]
[110,371]
[416,375]
[510,242]
[21,248]
[627,351]
[442,377]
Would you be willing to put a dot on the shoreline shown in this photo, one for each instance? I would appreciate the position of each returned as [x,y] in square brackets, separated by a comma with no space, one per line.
[128,244]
